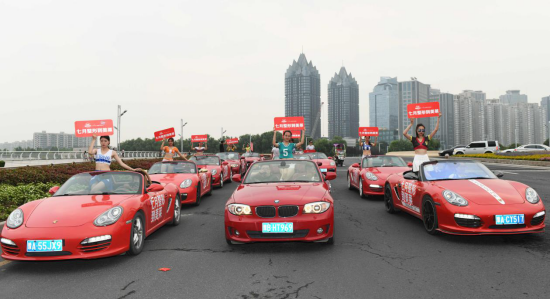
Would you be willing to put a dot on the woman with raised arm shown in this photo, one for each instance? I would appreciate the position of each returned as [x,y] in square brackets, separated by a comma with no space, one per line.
[286,147]
[367,145]
[170,151]
[420,142]
[200,149]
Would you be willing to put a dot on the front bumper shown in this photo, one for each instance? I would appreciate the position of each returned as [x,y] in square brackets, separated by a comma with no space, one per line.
[375,188]
[216,180]
[305,228]
[72,237]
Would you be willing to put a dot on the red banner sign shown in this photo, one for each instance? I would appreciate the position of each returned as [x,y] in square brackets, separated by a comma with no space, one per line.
[289,123]
[97,127]
[296,134]
[164,134]
[423,110]
[368,131]
[232,141]
[199,138]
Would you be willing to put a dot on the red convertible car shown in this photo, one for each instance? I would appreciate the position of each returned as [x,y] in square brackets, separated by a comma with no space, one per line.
[464,197]
[369,176]
[326,164]
[92,215]
[221,172]
[250,158]
[281,200]
[192,183]
[237,165]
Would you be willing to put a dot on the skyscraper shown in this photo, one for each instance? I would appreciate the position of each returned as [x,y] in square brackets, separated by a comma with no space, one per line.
[513,97]
[412,92]
[446,132]
[303,94]
[384,104]
[545,104]
[343,105]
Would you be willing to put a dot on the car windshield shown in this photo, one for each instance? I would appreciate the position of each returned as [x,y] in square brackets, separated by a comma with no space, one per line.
[302,156]
[455,170]
[318,155]
[206,160]
[102,183]
[283,171]
[251,154]
[383,161]
[173,167]
[228,155]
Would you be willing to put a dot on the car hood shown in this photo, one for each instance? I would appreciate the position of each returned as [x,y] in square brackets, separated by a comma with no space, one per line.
[287,193]
[69,211]
[208,167]
[171,178]
[484,191]
[323,161]
[383,172]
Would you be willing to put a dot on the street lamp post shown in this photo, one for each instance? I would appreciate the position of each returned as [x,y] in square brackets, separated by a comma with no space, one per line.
[119,116]
[181,136]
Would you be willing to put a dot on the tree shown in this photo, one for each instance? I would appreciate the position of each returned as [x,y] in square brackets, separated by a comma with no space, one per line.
[546,142]
[513,146]
[401,145]
[434,144]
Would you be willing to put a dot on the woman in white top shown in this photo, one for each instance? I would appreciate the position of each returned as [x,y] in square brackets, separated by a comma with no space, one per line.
[310,146]
[200,149]
[104,155]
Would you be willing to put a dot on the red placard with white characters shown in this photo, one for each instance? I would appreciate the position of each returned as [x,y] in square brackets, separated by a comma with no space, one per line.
[423,110]
[296,134]
[164,134]
[368,131]
[232,141]
[289,123]
[199,138]
[97,127]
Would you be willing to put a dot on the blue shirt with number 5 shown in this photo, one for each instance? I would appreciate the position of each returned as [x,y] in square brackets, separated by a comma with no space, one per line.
[286,151]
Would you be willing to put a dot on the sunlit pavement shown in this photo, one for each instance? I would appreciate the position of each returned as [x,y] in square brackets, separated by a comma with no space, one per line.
[375,255]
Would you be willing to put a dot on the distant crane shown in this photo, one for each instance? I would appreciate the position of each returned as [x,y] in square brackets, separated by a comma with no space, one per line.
[317,120]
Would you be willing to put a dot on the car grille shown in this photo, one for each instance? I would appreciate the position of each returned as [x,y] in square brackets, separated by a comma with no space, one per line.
[468,222]
[265,211]
[288,211]
[93,247]
[296,234]
[511,226]
[537,220]
[10,249]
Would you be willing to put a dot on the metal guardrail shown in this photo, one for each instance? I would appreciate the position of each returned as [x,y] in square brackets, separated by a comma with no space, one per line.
[54,155]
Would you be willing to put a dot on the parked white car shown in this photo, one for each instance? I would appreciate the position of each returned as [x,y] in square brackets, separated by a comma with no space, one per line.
[479,147]
[529,148]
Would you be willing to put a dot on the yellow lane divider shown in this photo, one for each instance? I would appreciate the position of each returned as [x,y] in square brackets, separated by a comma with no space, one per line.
[5,262]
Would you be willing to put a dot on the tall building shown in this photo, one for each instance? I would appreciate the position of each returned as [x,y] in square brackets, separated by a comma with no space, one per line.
[513,97]
[44,140]
[303,94]
[343,105]
[545,104]
[412,92]
[446,133]
[384,104]
[477,95]
[531,129]
[469,119]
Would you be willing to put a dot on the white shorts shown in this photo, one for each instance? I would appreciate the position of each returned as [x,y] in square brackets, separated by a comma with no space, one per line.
[418,160]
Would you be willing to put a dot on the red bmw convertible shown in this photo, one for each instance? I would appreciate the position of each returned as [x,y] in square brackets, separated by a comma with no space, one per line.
[192,183]
[464,197]
[281,200]
[369,176]
[92,215]
[221,172]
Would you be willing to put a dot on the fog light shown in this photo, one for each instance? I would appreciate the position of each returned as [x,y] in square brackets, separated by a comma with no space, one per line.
[540,213]
[320,230]
[237,232]
[375,186]
[96,239]
[470,217]
[7,242]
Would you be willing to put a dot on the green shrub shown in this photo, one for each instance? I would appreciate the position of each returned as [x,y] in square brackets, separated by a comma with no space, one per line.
[401,145]
[2,163]
[12,197]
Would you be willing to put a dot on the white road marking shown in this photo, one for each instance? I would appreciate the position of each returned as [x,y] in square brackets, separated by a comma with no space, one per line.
[5,262]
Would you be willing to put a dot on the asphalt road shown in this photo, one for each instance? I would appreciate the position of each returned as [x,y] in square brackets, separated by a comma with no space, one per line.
[376,255]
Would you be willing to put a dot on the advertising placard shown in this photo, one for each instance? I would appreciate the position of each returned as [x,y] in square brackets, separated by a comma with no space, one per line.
[97,127]
[199,138]
[289,123]
[164,134]
[423,110]
[368,131]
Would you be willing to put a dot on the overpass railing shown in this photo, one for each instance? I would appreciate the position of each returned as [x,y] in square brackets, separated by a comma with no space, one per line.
[54,155]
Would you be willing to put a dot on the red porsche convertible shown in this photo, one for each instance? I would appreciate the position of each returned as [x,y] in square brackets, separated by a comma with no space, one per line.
[221,172]
[250,158]
[92,215]
[326,164]
[369,176]
[281,200]
[464,197]
[237,165]
[192,183]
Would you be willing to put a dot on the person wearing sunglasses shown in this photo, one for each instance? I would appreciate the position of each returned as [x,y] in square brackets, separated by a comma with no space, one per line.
[420,142]
[367,145]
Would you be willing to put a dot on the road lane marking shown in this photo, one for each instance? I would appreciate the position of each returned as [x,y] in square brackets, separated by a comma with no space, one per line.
[5,262]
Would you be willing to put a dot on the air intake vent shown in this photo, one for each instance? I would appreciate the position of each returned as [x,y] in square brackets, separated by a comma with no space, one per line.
[265,211]
[288,211]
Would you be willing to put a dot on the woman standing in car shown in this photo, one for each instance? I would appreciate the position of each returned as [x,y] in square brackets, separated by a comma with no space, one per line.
[420,142]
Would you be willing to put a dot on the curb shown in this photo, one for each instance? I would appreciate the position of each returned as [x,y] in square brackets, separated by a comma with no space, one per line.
[509,161]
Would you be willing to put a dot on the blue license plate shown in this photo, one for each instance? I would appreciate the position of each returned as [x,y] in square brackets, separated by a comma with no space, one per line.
[44,245]
[277,227]
[509,219]
[323,170]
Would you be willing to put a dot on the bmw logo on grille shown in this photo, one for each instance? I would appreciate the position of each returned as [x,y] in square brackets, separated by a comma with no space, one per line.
[276,201]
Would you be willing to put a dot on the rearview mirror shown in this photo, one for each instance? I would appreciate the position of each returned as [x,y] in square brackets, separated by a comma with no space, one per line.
[53,190]
[155,187]
[330,176]
[355,165]
[410,164]
[410,176]
[237,177]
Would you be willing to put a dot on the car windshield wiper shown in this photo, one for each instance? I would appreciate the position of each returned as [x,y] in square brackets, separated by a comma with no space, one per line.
[104,193]
[262,182]
[64,195]
[298,181]
[479,178]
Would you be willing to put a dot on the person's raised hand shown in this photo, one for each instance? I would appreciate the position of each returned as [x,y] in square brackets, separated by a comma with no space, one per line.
[94,136]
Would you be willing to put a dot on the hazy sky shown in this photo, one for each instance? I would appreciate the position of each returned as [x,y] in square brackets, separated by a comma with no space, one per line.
[222,63]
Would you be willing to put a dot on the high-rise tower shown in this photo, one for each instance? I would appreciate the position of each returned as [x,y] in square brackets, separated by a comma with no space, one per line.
[343,105]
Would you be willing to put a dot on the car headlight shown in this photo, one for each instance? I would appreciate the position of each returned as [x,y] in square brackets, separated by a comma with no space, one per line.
[531,196]
[316,207]
[214,172]
[186,183]
[15,219]
[371,176]
[332,163]
[109,217]
[239,209]
[234,165]
[454,198]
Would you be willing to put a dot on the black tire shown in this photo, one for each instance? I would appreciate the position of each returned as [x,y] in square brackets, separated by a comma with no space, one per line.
[210,191]
[177,211]
[488,152]
[330,241]
[221,181]
[198,199]
[388,199]
[361,193]
[228,242]
[230,176]
[350,187]
[429,215]
[137,234]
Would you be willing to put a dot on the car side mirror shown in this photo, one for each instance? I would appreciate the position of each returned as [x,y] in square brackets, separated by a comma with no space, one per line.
[237,177]
[225,163]
[330,176]
[330,157]
[410,176]
[53,190]
[242,157]
[319,164]
[203,170]
[410,164]
[499,174]
[355,165]
[155,187]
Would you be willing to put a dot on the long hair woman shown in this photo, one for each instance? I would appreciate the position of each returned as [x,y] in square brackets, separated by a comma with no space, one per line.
[420,142]
[170,150]
[367,145]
